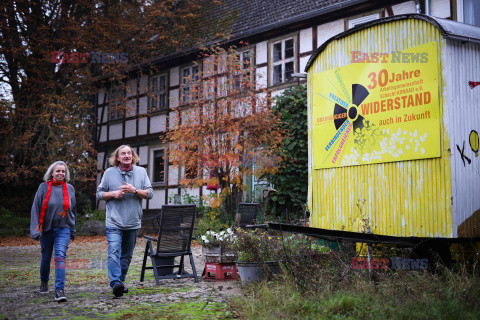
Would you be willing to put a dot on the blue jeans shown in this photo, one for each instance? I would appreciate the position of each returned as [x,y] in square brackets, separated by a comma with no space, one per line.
[56,240]
[120,249]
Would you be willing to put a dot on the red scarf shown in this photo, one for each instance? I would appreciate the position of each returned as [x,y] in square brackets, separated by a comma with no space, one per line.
[473,84]
[130,167]
[66,202]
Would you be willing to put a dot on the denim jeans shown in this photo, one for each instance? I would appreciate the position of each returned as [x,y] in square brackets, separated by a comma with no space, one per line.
[55,240]
[120,249]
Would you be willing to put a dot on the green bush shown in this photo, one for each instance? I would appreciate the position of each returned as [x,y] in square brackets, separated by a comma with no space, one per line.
[95,214]
[291,179]
[12,224]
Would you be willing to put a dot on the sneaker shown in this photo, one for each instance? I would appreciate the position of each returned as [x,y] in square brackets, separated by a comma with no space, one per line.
[43,287]
[125,289]
[118,290]
[60,296]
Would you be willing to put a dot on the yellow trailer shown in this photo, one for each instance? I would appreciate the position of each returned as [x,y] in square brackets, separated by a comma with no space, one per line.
[393,122]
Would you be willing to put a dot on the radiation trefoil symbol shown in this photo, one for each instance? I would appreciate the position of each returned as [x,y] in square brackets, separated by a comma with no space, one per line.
[359,93]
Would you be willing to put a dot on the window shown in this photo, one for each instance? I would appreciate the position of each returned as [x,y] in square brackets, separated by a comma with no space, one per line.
[189,81]
[158,99]
[353,22]
[469,11]
[242,75]
[283,61]
[115,103]
[158,166]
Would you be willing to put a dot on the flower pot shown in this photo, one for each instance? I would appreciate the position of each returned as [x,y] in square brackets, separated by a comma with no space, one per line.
[253,271]
[219,254]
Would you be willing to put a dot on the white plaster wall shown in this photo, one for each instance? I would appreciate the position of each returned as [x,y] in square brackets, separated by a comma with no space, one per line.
[158,199]
[191,192]
[261,75]
[277,93]
[303,63]
[131,106]
[208,66]
[115,131]
[142,126]
[174,98]
[158,123]
[143,105]
[172,120]
[143,84]
[328,30]
[440,8]
[101,95]
[131,87]
[172,175]
[100,158]
[402,8]
[143,154]
[306,40]
[130,128]
[261,52]
[174,76]
[99,115]
[103,134]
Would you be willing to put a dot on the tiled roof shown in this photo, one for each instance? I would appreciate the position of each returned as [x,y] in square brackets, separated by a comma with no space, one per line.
[257,15]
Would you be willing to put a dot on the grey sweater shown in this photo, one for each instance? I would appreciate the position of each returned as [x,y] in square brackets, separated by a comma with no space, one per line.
[55,206]
[125,213]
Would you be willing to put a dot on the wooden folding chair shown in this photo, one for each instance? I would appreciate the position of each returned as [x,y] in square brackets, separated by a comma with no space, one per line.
[175,230]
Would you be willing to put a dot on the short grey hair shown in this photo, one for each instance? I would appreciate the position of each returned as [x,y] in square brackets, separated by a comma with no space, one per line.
[48,174]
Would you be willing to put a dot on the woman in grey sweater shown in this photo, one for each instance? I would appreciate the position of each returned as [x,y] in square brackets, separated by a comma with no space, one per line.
[53,221]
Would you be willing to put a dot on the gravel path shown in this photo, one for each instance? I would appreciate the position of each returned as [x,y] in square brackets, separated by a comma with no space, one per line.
[89,295]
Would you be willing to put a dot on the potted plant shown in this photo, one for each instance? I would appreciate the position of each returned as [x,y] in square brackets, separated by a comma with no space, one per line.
[218,246]
[257,255]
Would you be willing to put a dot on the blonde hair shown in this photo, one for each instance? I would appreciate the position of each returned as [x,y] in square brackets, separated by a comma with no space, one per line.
[48,174]
[113,158]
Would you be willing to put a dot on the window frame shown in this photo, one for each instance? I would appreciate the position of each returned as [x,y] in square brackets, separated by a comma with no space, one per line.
[186,86]
[153,94]
[283,61]
[359,19]
[153,166]
[460,13]
[117,97]
[236,79]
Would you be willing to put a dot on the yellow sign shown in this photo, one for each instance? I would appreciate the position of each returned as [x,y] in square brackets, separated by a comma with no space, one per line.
[381,108]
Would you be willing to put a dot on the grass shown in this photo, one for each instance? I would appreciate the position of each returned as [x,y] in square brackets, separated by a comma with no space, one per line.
[401,295]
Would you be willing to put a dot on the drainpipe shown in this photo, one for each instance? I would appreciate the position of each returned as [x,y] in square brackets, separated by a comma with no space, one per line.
[427,7]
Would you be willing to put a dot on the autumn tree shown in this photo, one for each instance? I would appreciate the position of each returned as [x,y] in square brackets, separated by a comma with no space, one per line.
[48,76]
[224,124]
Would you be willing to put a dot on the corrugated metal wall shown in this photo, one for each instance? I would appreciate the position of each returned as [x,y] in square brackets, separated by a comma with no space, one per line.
[409,198]
[462,115]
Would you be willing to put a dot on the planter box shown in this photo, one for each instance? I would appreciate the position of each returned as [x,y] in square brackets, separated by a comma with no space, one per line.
[219,254]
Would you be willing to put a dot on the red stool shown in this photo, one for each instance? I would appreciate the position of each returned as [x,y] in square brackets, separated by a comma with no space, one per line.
[218,271]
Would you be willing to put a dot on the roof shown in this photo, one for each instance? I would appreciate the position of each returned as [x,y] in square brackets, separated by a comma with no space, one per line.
[257,19]
[449,29]
[255,16]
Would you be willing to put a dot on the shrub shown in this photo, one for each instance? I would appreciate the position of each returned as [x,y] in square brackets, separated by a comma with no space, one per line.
[12,224]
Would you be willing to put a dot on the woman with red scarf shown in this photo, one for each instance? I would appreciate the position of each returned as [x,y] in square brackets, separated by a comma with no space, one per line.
[53,220]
